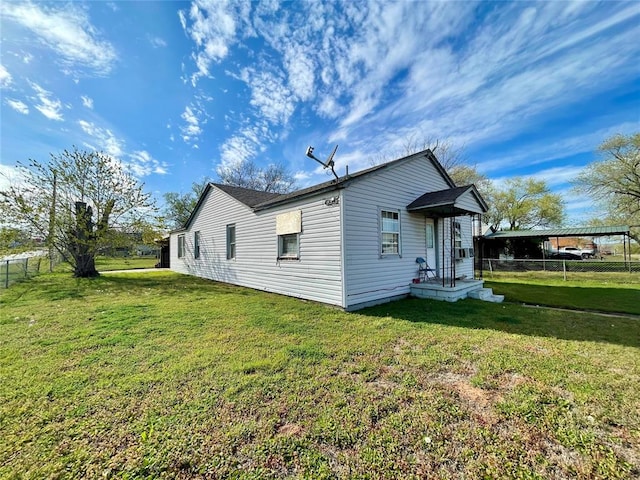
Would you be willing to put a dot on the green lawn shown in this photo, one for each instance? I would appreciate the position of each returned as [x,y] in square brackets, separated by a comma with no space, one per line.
[105,264]
[161,375]
[610,292]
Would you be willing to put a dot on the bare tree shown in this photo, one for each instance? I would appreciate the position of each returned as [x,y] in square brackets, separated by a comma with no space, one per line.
[448,154]
[274,178]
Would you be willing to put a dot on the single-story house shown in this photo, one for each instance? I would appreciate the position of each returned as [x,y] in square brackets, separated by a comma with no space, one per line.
[350,242]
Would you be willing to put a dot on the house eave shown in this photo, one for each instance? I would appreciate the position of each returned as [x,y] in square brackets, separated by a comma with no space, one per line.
[442,211]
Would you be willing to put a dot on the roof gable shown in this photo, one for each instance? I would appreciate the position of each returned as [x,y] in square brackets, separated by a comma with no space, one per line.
[344,181]
[260,200]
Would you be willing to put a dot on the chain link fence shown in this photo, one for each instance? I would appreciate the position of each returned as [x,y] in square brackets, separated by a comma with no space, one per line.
[16,269]
[566,269]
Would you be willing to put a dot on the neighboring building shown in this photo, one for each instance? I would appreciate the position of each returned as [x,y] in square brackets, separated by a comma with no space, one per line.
[350,242]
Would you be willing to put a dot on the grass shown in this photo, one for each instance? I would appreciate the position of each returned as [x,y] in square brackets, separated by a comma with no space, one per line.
[18,270]
[105,264]
[608,292]
[161,375]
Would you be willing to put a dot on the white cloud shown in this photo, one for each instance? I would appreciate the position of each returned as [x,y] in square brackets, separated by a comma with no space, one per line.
[157,42]
[68,31]
[107,141]
[191,130]
[237,149]
[18,106]
[139,163]
[49,106]
[5,77]
[213,28]
[551,151]
[270,95]
[87,102]
[380,71]
[301,72]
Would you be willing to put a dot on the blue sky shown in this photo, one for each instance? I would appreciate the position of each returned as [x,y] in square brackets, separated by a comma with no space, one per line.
[176,90]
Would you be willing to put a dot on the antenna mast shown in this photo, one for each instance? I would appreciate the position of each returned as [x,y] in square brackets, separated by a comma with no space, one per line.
[329,163]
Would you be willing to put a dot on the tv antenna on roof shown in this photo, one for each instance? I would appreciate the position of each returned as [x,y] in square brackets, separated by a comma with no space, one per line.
[329,163]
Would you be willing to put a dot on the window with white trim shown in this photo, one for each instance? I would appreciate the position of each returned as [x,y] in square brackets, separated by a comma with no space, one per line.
[231,242]
[457,234]
[196,245]
[180,246]
[390,232]
[289,246]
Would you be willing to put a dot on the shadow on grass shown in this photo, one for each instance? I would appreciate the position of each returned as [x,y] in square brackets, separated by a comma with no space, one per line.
[514,319]
[604,299]
[63,286]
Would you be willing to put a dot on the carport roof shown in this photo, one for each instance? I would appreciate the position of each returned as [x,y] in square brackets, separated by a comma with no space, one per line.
[561,232]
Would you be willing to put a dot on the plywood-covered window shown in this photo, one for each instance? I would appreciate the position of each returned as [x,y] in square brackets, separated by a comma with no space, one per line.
[288,229]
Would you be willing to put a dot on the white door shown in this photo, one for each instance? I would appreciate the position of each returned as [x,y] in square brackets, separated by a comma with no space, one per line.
[431,243]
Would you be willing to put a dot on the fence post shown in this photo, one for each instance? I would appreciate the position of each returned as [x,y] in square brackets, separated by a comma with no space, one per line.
[6,278]
[38,267]
[26,267]
[564,270]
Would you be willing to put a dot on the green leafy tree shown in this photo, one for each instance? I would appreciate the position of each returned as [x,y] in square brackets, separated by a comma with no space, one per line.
[75,201]
[524,204]
[14,240]
[614,181]
[178,206]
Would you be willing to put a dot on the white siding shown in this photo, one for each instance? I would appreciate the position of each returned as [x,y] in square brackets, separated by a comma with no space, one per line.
[468,202]
[315,276]
[369,277]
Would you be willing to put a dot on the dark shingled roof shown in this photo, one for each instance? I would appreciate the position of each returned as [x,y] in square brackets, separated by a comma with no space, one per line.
[443,201]
[249,197]
[258,200]
[440,197]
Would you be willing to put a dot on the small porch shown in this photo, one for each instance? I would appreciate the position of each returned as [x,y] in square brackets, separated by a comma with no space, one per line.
[449,242]
[452,291]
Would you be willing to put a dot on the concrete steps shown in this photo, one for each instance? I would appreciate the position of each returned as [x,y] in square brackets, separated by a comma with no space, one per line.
[486,295]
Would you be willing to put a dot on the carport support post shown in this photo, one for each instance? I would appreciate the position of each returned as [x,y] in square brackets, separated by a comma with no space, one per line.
[629,242]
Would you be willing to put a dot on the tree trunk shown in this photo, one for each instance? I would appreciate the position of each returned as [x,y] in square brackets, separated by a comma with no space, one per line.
[82,252]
